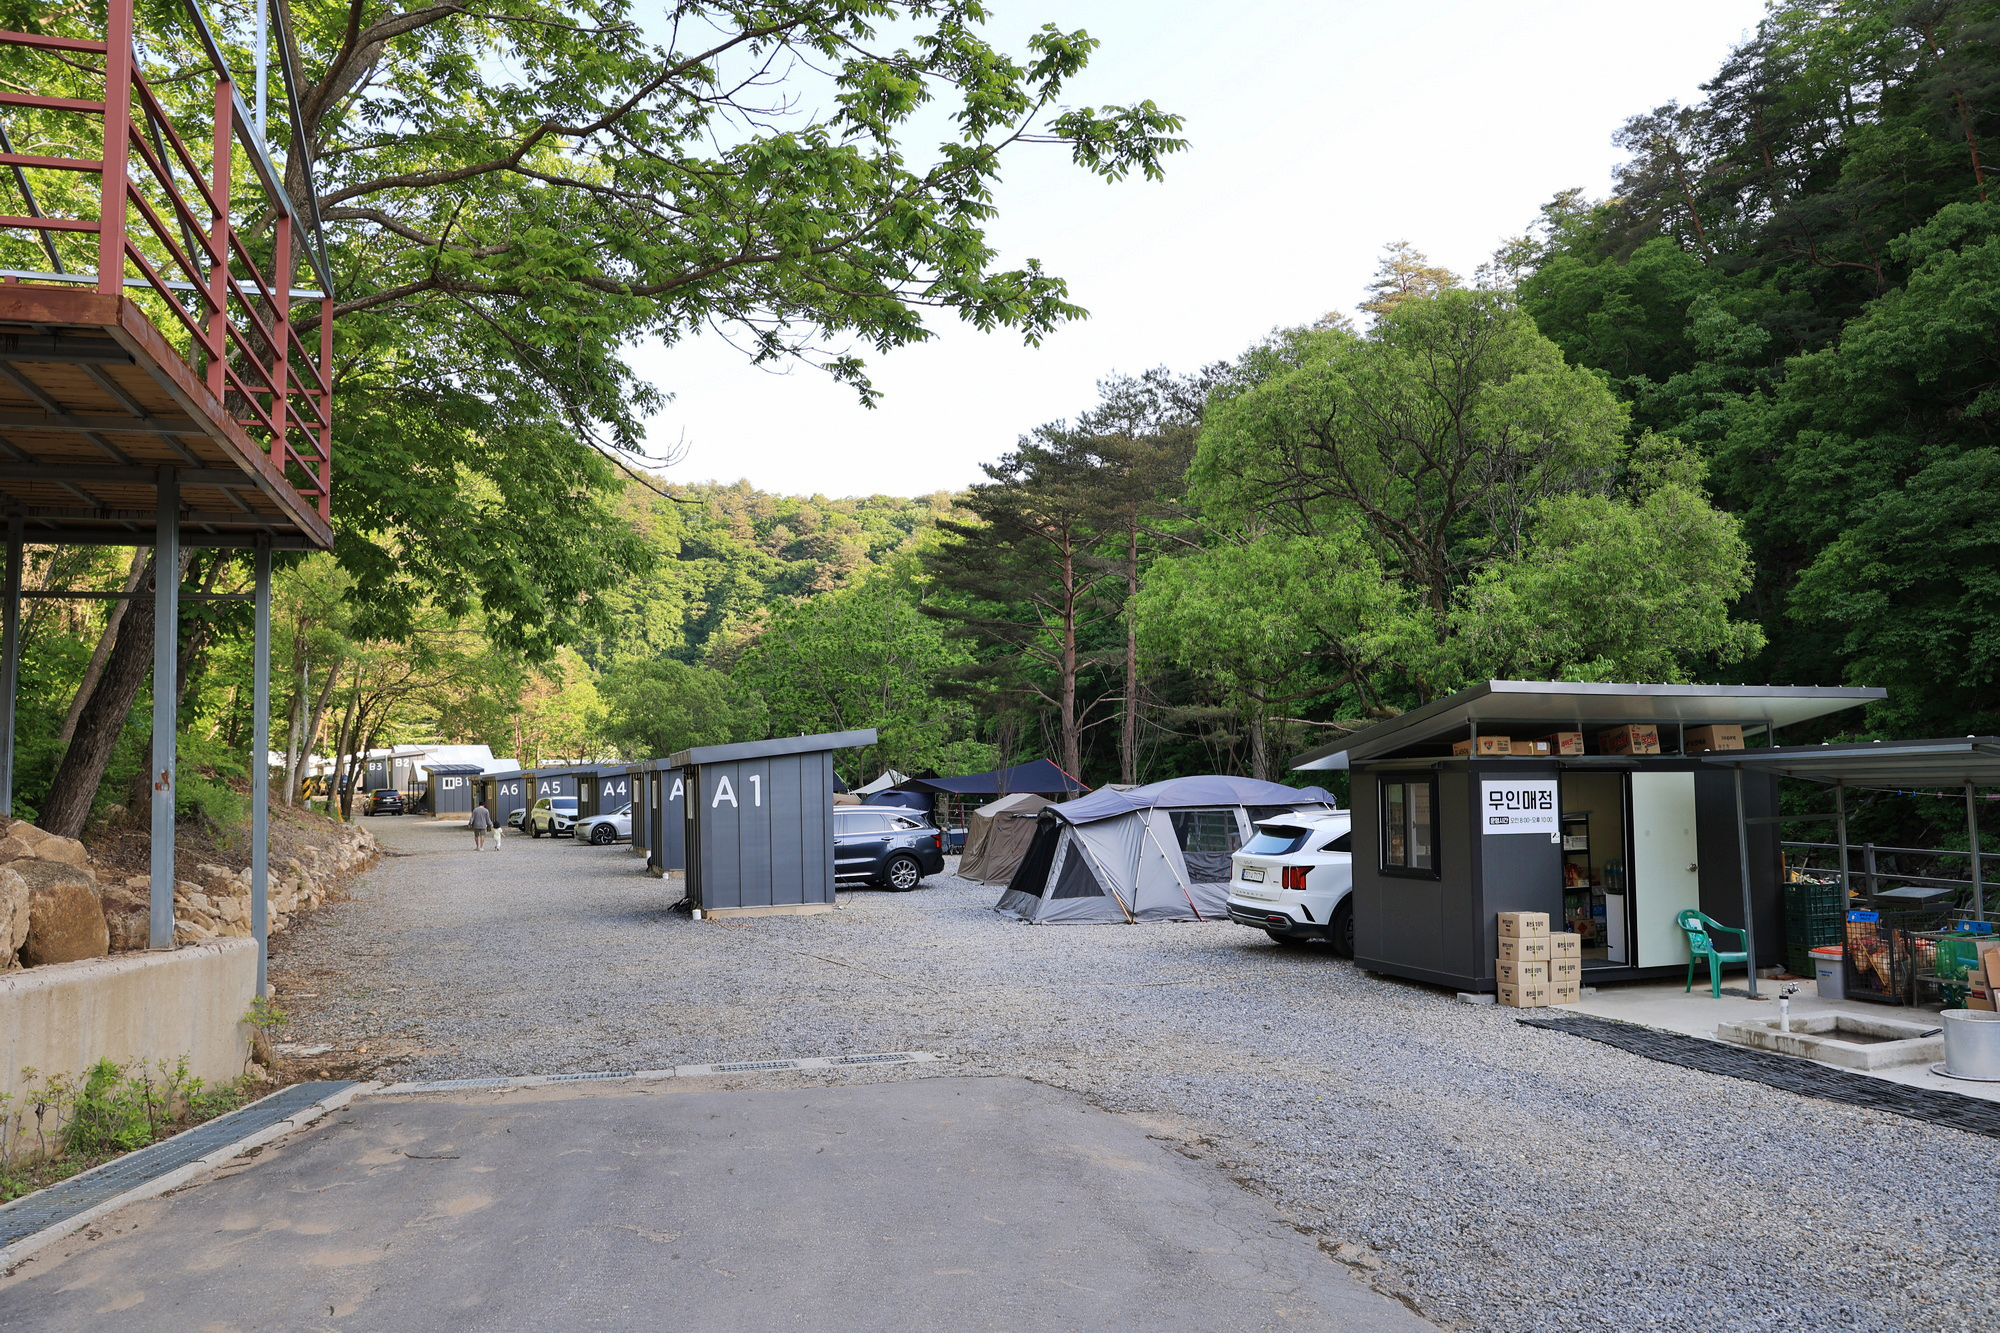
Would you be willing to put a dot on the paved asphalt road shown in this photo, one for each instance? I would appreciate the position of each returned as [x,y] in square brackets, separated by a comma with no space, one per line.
[941,1203]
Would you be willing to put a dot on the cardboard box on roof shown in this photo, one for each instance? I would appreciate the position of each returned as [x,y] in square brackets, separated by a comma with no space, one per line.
[1530,749]
[1717,736]
[1565,742]
[1632,738]
[1487,747]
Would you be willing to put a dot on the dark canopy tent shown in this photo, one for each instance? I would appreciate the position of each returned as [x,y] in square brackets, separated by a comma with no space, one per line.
[1037,775]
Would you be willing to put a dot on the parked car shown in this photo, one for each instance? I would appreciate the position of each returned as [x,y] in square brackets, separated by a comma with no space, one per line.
[385,801]
[886,846]
[518,818]
[1292,880]
[551,817]
[603,830]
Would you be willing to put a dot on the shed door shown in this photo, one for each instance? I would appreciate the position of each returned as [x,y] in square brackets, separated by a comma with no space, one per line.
[1665,877]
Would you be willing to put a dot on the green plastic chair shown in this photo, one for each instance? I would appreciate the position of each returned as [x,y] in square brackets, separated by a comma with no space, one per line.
[1700,946]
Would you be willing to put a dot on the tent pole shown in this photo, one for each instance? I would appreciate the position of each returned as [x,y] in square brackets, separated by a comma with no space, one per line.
[1743,866]
[1972,841]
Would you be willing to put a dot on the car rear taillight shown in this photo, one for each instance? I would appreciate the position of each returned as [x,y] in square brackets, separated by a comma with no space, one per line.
[1294,877]
[937,842]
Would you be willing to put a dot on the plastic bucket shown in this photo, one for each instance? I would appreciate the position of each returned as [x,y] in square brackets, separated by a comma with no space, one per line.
[1830,972]
[1972,1044]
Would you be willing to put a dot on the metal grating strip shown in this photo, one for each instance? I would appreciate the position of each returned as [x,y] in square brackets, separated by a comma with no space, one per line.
[870,1060]
[26,1216]
[1786,1072]
[584,1078]
[754,1064]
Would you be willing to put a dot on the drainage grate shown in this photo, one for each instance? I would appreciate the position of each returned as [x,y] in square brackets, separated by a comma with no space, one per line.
[1951,1109]
[754,1064]
[24,1217]
[451,1085]
[870,1060]
[585,1078]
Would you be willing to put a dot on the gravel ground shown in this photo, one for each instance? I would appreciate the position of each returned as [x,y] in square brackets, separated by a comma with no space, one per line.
[1493,1176]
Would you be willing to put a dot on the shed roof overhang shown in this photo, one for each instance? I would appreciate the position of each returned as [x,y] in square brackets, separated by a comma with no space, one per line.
[1954,762]
[771,749]
[1555,705]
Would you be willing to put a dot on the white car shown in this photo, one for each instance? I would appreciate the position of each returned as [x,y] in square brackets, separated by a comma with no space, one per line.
[1292,879]
[603,830]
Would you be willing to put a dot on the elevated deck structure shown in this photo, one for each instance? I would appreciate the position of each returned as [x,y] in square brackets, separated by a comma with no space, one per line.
[164,379]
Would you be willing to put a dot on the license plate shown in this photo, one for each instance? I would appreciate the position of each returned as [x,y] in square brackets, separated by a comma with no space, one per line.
[1253,874]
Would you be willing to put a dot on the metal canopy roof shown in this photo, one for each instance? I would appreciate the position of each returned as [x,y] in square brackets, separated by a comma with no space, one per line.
[1584,704]
[719,754]
[1951,763]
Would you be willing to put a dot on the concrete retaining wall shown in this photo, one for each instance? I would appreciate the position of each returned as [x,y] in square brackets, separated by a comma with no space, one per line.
[65,1017]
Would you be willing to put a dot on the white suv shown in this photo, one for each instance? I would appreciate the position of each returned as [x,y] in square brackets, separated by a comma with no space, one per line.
[1292,879]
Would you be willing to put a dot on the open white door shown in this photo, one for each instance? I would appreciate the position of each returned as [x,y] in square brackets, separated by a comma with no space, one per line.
[1665,874]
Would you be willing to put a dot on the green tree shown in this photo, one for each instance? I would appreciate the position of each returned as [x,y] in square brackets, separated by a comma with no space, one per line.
[654,709]
[865,656]
[1463,504]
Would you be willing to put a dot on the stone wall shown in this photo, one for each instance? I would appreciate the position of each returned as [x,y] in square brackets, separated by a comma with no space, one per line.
[58,906]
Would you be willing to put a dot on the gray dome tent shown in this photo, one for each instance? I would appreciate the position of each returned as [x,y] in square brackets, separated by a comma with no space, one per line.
[1154,853]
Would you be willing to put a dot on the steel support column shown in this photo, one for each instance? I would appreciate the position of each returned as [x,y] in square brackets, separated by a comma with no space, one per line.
[260,770]
[1840,836]
[1972,839]
[166,711]
[10,662]
[1743,866]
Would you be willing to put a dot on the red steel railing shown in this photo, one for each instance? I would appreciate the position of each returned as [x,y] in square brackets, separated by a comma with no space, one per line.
[171,228]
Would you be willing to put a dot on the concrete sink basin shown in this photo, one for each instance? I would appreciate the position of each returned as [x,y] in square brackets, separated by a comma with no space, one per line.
[1841,1039]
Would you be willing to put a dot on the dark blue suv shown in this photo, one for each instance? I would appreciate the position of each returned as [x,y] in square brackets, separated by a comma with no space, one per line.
[885,845]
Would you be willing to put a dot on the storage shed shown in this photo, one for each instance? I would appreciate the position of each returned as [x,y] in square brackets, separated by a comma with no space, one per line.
[1514,796]
[502,793]
[759,824]
[449,789]
[603,789]
[662,788]
[560,780]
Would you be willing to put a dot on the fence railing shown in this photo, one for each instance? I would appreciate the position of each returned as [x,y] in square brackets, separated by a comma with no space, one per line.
[1871,876]
[203,236]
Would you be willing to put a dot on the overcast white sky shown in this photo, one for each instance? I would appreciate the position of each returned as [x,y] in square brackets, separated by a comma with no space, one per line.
[1319,132]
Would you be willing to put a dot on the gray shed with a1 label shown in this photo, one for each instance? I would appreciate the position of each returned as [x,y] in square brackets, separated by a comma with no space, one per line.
[759,824]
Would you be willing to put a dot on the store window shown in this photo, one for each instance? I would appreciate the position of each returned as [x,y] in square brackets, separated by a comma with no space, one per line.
[1409,827]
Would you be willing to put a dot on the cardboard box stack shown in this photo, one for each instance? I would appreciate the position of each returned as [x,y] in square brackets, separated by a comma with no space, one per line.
[1985,979]
[1565,967]
[1523,966]
[1632,738]
[1721,736]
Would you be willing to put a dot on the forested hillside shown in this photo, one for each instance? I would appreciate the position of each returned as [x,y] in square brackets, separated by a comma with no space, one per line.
[1732,421]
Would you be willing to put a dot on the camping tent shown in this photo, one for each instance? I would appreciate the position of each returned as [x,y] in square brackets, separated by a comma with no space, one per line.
[1154,853]
[1037,775]
[997,837]
[884,780]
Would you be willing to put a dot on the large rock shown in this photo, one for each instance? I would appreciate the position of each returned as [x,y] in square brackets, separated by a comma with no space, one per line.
[14,897]
[65,923]
[128,916]
[22,841]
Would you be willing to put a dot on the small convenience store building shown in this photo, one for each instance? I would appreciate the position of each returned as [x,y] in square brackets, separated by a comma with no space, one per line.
[1546,796]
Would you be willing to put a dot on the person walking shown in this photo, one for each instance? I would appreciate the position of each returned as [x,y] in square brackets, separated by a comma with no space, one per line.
[482,820]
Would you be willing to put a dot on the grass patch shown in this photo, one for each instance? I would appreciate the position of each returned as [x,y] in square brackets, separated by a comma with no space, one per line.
[61,1124]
